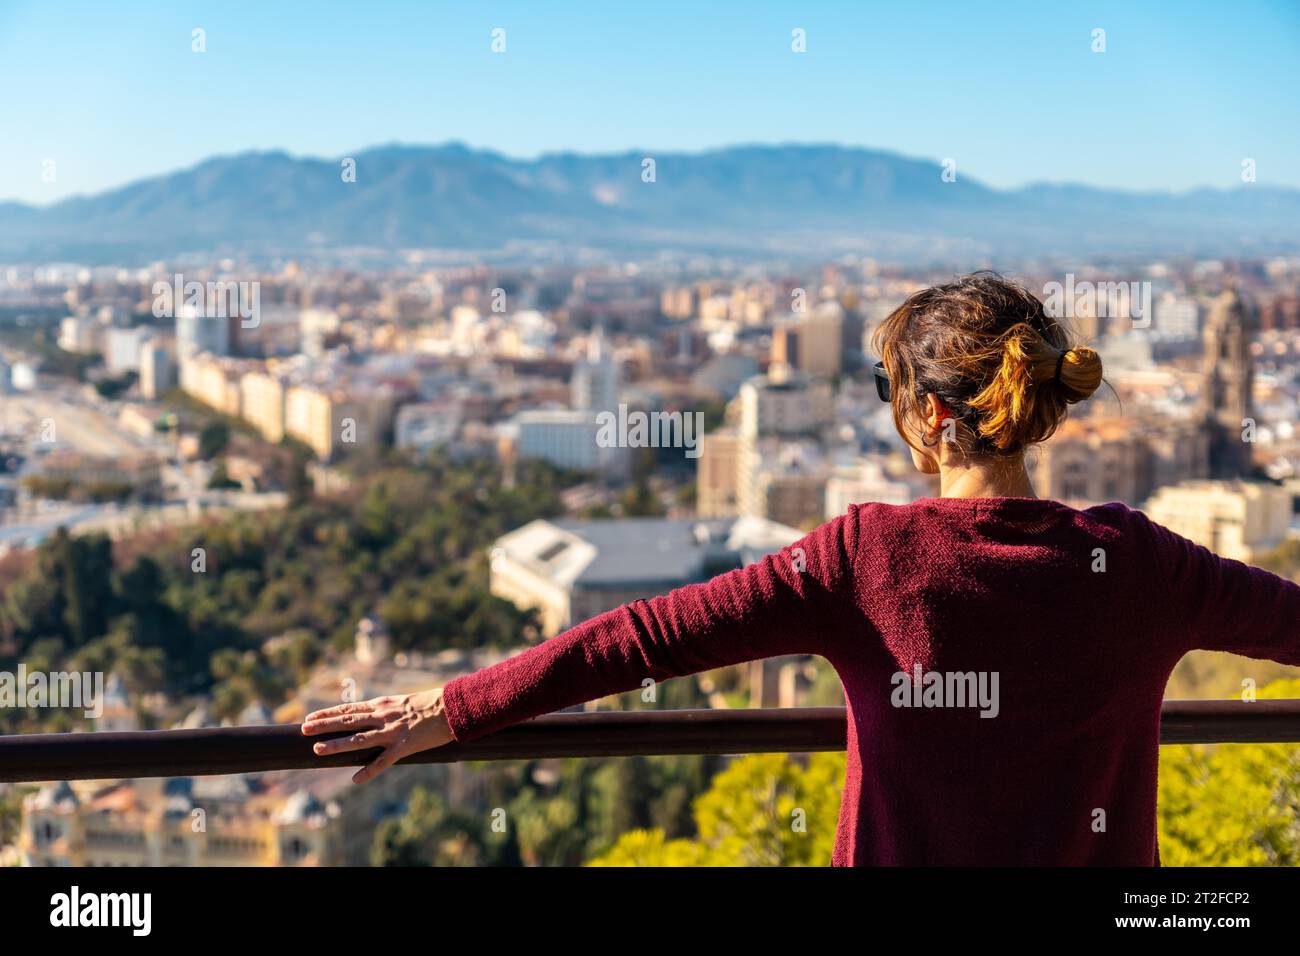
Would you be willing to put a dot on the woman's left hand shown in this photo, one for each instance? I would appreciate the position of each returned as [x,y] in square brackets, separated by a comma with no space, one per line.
[402,725]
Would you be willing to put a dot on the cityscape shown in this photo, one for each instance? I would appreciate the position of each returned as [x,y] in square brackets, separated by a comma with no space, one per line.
[124,423]
[285,426]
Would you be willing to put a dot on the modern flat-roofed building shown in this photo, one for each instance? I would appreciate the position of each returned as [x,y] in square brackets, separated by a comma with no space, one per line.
[571,571]
[565,438]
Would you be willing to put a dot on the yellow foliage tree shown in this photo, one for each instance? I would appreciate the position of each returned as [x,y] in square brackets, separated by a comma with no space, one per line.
[763,810]
[1231,804]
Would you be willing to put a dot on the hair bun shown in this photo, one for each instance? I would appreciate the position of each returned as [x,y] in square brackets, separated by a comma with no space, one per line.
[1080,373]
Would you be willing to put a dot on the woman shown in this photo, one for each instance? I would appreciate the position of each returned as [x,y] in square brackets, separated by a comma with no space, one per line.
[1003,657]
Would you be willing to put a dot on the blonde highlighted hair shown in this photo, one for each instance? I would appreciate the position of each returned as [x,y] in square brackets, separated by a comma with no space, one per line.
[985,348]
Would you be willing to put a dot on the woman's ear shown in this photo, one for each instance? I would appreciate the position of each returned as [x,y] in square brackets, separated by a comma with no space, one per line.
[936,412]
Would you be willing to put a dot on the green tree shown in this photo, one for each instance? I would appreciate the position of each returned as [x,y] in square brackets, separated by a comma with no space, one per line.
[429,834]
[213,438]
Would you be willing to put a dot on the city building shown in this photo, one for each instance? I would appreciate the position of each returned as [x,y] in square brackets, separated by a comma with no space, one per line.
[334,420]
[1234,519]
[812,343]
[565,438]
[785,482]
[262,399]
[212,380]
[175,821]
[422,426]
[141,473]
[157,370]
[571,571]
[716,474]
[196,332]
[1094,460]
[866,480]
[79,333]
[123,347]
[596,378]
[783,404]
[1228,372]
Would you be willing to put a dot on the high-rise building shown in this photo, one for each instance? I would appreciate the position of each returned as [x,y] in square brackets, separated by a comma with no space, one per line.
[79,333]
[196,332]
[1177,317]
[157,371]
[716,473]
[596,378]
[122,349]
[811,343]
[783,404]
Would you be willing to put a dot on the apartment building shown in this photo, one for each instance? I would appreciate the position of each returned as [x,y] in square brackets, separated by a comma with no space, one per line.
[212,380]
[157,370]
[262,396]
[716,474]
[812,343]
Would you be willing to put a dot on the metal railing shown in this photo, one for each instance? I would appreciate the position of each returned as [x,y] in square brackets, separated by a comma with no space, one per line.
[218,750]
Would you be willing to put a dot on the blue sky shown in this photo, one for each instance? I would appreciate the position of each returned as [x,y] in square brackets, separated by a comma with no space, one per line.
[1012,91]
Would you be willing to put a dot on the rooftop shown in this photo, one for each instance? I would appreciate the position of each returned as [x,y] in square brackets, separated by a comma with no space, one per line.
[639,550]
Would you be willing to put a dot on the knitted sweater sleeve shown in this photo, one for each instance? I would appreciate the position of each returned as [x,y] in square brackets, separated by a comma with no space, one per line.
[1218,604]
[784,604]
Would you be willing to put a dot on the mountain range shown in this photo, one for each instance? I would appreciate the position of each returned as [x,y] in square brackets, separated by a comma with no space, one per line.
[785,201]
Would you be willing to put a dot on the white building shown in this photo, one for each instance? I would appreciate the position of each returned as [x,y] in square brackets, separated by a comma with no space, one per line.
[425,425]
[122,349]
[196,332]
[863,481]
[1177,317]
[566,439]
[79,333]
[571,571]
[596,378]
[157,370]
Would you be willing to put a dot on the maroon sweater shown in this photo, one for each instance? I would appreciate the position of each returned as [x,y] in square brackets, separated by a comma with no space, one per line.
[1062,770]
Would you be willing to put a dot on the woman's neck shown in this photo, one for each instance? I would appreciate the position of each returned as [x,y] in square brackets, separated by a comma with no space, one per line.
[976,479]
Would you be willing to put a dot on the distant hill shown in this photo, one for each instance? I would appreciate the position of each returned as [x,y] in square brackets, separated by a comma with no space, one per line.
[788,201]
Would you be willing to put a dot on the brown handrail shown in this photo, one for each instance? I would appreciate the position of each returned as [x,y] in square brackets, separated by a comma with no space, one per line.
[219,750]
